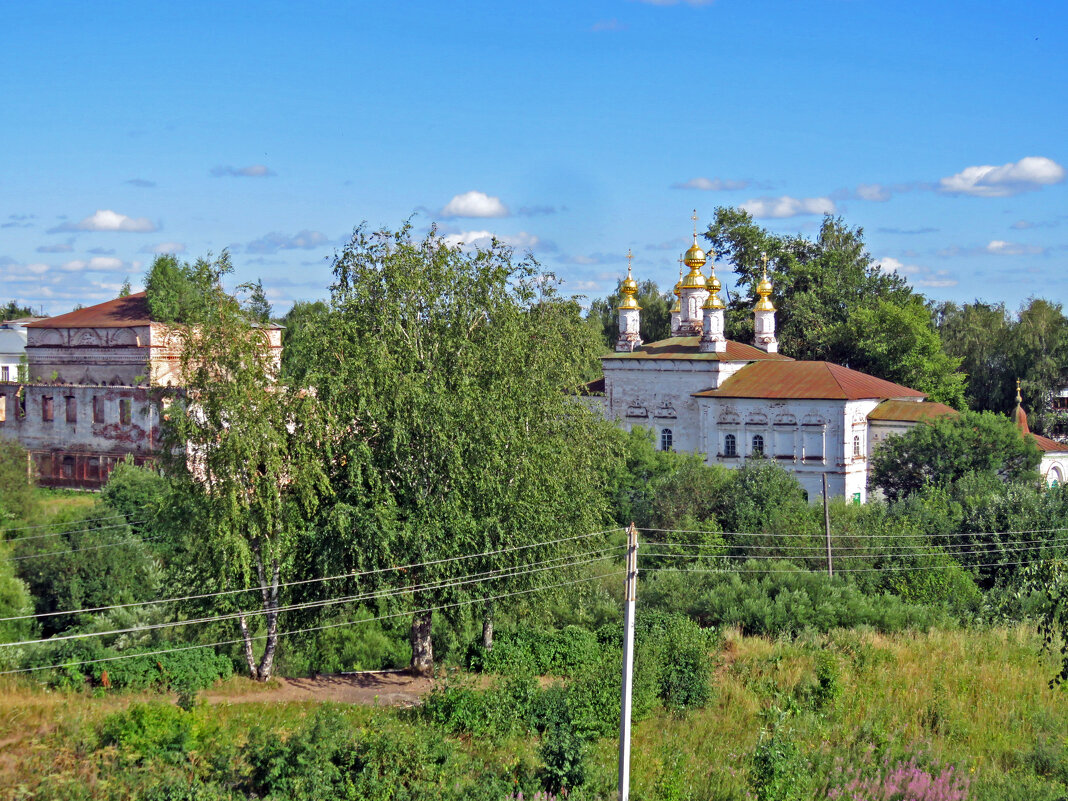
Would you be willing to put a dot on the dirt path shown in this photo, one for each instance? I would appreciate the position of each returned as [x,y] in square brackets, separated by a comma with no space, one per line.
[387,688]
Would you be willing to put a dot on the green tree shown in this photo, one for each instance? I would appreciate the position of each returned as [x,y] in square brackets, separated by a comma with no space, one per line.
[244,459]
[823,287]
[257,306]
[135,492]
[943,451]
[897,342]
[125,290]
[13,310]
[655,319]
[18,498]
[306,326]
[979,334]
[15,601]
[449,379]
[182,293]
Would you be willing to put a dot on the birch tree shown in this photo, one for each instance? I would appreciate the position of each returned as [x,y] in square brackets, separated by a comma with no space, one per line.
[449,376]
[244,458]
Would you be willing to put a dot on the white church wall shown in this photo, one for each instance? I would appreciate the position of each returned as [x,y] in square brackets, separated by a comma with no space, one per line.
[658,394]
[1054,468]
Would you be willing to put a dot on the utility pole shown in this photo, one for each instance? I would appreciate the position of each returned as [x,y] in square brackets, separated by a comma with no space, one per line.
[827,527]
[630,592]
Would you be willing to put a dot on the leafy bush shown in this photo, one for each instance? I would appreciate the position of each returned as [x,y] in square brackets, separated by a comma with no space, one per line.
[150,731]
[777,769]
[779,598]
[194,669]
[904,779]
[537,651]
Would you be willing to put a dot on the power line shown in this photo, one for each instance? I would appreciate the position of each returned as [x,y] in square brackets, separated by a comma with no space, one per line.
[855,536]
[847,569]
[314,628]
[838,549]
[477,578]
[817,552]
[76,531]
[46,525]
[302,582]
[79,550]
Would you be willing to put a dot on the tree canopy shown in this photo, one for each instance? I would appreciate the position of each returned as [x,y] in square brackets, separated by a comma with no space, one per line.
[450,379]
[941,452]
[655,320]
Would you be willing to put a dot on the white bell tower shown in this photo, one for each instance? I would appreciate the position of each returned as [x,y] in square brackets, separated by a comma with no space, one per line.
[630,338]
[764,314]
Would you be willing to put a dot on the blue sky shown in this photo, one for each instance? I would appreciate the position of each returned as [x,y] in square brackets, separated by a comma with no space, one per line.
[576,129]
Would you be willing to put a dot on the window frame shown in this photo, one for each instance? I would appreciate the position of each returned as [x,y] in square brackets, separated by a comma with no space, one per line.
[730,445]
[667,439]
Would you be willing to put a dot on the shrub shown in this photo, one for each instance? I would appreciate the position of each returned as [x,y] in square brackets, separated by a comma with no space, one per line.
[772,598]
[537,651]
[563,750]
[777,770]
[149,731]
[190,670]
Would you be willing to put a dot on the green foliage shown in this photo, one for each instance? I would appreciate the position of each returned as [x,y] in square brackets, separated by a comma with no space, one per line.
[13,310]
[15,601]
[898,342]
[17,499]
[195,669]
[135,492]
[183,293]
[92,563]
[305,328]
[1048,579]
[150,731]
[448,383]
[537,651]
[563,751]
[772,598]
[655,320]
[777,772]
[949,448]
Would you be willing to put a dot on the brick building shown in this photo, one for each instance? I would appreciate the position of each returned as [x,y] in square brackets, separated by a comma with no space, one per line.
[96,380]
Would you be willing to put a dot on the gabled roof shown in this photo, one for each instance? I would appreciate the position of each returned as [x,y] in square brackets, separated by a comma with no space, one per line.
[689,348]
[117,313]
[1047,445]
[806,380]
[910,411]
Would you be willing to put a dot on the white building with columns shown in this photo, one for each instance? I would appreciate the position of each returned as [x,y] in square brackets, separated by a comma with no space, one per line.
[731,402]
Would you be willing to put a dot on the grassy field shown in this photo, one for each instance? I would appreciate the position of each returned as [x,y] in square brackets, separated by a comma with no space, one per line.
[788,719]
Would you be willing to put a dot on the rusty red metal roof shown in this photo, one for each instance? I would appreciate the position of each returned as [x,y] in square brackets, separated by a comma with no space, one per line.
[689,348]
[910,411]
[817,380]
[1047,445]
[117,313]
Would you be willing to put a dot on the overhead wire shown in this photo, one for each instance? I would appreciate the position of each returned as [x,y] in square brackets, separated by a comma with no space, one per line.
[87,530]
[468,602]
[46,525]
[478,578]
[303,582]
[87,548]
[856,536]
[821,553]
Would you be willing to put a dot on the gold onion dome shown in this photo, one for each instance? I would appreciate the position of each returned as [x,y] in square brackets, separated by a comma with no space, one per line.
[764,289]
[713,301]
[694,258]
[629,288]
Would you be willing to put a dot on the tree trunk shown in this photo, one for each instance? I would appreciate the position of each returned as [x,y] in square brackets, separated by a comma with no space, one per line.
[249,656]
[487,629]
[270,606]
[422,647]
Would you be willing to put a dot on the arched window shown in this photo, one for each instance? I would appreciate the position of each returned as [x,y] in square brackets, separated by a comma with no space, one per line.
[856,445]
[730,445]
[758,445]
[67,467]
[665,439]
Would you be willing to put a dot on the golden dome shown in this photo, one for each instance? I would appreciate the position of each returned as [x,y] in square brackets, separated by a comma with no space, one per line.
[628,289]
[764,289]
[714,302]
[694,258]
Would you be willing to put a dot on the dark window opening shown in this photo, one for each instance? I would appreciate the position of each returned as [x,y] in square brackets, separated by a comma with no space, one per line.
[72,409]
[98,409]
[125,415]
[730,445]
[758,445]
[47,412]
[68,467]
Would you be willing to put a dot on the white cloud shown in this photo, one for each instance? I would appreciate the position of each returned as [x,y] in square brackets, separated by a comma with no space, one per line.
[108,220]
[66,247]
[1000,247]
[917,274]
[521,240]
[475,204]
[251,171]
[164,247]
[1024,175]
[96,264]
[785,206]
[875,192]
[302,240]
[711,185]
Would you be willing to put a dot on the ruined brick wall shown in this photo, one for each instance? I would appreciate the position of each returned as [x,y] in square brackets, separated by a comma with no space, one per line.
[76,434]
[112,356]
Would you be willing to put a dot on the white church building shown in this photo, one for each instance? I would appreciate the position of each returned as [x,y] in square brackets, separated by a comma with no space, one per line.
[731,402]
